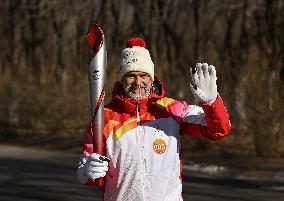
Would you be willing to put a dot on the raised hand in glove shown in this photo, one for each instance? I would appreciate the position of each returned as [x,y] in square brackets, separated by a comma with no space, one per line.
[204,86]
[93,167]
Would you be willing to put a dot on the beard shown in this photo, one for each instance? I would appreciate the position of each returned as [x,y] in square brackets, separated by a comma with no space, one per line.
[137,92]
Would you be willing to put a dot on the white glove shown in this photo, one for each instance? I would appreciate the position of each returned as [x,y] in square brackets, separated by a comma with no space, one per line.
[93,167]
[204,86]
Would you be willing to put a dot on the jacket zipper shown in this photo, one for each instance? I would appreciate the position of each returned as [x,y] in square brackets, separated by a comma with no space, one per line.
[138,113]
[141,143]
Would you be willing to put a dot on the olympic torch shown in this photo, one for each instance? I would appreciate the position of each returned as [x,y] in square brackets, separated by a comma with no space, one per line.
[97,73]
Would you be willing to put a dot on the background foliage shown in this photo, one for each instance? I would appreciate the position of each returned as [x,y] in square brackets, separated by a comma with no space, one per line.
[44,96]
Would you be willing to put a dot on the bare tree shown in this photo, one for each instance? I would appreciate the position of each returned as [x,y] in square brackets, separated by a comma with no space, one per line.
[44,54]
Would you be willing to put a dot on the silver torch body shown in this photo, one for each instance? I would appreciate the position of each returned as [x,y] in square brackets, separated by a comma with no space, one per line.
[97,75]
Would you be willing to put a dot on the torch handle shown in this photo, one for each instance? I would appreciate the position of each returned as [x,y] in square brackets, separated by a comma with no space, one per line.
[98,125]
[97,128]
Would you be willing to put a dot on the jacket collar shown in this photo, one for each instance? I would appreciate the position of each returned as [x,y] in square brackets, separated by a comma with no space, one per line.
[123,104]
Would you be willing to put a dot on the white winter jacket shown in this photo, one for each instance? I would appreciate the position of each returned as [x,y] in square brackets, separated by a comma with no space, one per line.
[143,142]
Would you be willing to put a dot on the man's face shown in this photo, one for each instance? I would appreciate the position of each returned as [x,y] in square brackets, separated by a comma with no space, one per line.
[136,84]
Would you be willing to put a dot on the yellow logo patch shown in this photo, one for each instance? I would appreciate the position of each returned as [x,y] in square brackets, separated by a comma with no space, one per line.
[159,146]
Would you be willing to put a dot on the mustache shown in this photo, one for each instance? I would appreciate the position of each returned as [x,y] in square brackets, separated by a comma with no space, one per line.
[130,91]
[136,86]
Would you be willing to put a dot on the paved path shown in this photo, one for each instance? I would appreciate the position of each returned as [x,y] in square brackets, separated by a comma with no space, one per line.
[33,175]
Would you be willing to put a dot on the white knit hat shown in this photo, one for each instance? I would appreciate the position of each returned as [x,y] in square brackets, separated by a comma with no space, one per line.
[136,58]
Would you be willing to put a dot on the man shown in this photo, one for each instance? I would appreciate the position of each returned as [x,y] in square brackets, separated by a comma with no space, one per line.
[143,130]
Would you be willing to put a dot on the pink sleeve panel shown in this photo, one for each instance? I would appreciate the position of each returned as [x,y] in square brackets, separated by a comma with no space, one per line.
[210,122]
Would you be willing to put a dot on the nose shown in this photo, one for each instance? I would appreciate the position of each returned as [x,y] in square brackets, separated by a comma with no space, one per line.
[138,80]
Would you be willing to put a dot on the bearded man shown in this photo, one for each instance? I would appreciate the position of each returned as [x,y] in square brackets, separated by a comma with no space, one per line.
[143,130]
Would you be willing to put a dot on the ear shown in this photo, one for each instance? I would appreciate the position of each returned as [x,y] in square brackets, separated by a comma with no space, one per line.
[123,82]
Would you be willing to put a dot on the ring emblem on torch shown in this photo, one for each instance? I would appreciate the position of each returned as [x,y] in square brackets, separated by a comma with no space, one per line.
[159,146]
[95,75]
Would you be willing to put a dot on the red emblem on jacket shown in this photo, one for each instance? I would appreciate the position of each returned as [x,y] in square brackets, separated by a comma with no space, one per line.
[159,146]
